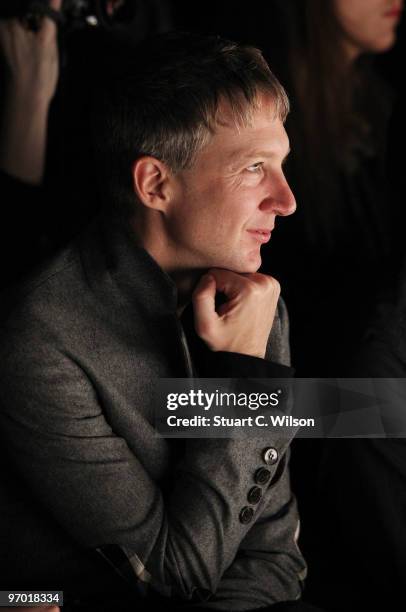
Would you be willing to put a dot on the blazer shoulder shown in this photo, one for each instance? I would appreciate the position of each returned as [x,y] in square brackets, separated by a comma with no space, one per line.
[43,301]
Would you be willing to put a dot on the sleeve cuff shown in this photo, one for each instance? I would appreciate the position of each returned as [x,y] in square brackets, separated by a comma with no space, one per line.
[222,364]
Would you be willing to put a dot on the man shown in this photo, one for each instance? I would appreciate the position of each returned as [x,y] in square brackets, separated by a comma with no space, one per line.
[190,144]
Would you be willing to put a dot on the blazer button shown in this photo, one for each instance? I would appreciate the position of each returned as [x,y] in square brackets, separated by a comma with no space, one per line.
[246,515]
[261,476]
[254,495]
[270,455]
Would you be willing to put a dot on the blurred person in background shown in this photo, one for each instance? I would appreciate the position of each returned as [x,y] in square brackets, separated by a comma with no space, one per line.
[30,70]
[48,68]
[342,248]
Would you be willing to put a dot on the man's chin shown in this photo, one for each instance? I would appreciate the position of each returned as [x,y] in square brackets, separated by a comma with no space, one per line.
[244,267]
[251,264]
[240,265]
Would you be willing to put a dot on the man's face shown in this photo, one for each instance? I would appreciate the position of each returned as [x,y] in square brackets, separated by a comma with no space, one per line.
[225,206]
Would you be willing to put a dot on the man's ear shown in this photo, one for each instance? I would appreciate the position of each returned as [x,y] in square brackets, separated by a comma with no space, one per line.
[152,182]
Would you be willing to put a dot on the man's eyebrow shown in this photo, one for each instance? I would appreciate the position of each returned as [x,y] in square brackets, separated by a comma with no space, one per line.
[242,155]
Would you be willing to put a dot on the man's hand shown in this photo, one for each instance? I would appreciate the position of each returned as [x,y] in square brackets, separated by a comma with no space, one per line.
[243,323]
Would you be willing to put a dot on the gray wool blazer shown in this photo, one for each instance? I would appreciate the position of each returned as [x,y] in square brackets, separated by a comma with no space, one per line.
[88,486]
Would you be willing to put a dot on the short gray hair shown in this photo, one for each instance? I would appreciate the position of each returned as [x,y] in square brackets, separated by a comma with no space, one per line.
[164,100]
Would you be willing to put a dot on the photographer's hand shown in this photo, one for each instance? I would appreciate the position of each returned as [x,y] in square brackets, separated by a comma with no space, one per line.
[32,68]
[243,323]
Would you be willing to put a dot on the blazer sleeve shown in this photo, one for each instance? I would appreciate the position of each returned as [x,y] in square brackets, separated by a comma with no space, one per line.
[268,566]
[96,487]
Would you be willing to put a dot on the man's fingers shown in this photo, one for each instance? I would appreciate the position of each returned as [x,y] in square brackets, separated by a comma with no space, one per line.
[204,306]
[242,324]
[229,283]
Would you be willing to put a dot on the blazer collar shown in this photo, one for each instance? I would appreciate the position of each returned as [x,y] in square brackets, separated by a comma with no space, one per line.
[117,268]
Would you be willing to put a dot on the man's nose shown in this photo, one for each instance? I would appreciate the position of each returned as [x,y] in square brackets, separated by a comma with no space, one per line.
[280,199]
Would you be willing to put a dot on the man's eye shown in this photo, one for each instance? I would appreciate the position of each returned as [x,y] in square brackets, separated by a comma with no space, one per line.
[255,168]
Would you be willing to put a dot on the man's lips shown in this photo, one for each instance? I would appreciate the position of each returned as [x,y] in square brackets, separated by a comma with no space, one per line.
[262,235]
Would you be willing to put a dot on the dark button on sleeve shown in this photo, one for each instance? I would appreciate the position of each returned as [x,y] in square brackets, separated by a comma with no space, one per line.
[262,476]
[246,515]
[254,495]
[270,455]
